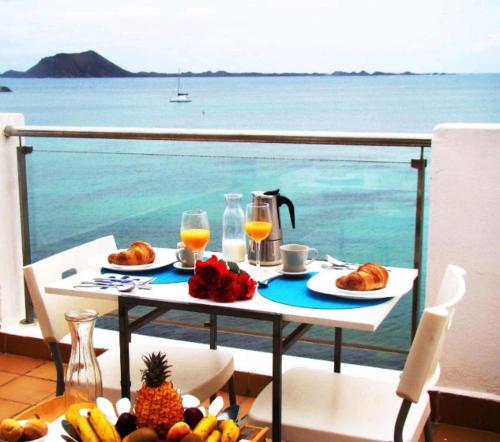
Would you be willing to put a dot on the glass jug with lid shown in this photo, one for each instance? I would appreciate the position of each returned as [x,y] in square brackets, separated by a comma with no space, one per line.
[233,235]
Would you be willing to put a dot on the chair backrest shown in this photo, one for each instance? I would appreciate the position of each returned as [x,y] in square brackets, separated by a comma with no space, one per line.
[422,365]
[49,308]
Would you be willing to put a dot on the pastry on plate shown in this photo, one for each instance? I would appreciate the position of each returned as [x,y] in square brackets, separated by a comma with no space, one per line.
[139,253]
[369,276]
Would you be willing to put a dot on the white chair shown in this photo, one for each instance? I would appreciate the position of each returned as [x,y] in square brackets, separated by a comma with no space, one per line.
[198,371]
[323,406]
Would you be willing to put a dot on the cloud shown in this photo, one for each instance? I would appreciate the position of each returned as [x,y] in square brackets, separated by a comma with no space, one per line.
[198,11]
[267,35]
[489,42]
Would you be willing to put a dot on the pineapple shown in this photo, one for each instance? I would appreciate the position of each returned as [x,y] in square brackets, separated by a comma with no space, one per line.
[157,404]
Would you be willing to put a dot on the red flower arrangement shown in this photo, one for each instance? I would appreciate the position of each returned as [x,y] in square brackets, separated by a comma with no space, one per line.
[220,281]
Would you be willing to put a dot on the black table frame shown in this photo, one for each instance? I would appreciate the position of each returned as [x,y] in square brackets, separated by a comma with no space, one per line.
[280,343]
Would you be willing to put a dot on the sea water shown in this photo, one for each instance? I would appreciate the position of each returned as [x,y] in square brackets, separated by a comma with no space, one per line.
[355,203]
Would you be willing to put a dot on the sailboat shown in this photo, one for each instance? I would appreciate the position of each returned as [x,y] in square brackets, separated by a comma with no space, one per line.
[181,97]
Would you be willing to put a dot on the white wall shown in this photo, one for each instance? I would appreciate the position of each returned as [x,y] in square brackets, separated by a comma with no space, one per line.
[464,229]
[11,277]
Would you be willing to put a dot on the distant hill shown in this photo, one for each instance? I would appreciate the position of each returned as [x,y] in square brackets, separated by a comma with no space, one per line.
[84,64]
[90,64]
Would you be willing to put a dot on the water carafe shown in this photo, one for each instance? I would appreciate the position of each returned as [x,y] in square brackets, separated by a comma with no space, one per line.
[83,376]
[270,247]
[233,235]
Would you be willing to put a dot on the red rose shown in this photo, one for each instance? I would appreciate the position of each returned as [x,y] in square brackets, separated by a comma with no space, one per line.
[207,279]
[213,280]
[230,288]
[247,286]
[211,271]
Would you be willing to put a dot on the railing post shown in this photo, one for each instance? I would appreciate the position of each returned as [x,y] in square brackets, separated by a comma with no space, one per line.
[22,151]
[11,260]
[419,164]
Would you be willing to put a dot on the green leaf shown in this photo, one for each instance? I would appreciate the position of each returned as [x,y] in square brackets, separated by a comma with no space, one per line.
[233,267]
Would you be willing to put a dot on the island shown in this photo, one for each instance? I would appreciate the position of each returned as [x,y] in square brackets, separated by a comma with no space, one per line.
[90,64]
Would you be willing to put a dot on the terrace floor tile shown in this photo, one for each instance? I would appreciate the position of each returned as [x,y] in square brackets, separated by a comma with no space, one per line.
[27,390]
[18,364]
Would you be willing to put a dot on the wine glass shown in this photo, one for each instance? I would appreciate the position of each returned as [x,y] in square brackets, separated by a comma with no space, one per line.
[258,226]
[195,231]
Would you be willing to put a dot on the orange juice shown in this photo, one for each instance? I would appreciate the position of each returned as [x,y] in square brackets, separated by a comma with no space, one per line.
[258,230]
[195,239]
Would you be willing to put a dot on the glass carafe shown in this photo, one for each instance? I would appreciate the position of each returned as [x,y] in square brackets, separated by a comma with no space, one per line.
[233,236]
[82,382]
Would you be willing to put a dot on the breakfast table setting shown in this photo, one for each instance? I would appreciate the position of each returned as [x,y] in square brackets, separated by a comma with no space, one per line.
[289,286]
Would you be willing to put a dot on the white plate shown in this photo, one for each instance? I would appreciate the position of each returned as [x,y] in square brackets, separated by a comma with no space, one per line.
[178,265]
[324,282]
[283,272]
[163,257]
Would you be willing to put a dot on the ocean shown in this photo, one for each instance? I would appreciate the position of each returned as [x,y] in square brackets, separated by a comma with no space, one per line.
[356,203]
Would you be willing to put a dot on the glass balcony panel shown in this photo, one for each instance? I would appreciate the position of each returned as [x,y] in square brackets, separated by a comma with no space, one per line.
[356,203]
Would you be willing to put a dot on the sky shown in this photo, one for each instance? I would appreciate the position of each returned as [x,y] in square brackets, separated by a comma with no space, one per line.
[258,35]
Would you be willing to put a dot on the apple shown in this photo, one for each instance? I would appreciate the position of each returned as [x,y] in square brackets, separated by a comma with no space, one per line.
[35,429]
[178,431]
[10,430]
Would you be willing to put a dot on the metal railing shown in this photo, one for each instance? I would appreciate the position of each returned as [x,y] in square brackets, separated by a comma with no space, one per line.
[419,140]
[239,136]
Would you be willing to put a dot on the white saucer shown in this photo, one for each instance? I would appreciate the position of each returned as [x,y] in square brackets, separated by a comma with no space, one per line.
[178,265]
[283,272]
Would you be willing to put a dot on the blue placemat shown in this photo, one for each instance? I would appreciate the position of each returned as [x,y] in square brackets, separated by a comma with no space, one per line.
[293,291]
[164,275]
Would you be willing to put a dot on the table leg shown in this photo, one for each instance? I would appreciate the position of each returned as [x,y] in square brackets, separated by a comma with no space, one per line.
[337,352]
[213,331]
[124,347]
[277,366]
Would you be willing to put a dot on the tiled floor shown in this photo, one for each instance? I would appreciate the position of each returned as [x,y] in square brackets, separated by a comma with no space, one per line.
[23,383]
[27,381]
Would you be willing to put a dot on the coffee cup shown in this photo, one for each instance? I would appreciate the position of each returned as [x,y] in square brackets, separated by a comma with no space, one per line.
[295,257]
[186,256]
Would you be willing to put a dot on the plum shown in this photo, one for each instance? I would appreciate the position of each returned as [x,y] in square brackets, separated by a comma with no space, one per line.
[125,424]
[192,416]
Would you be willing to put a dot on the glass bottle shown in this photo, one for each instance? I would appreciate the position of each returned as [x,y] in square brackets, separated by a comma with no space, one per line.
[82,382]
[233,235]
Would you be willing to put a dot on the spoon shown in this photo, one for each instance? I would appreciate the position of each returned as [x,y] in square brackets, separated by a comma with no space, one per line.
[265,282]
[123,406]
[337,262]
[68,427]
[125,288]
[107,408]
[216,406]
[190,401]
[230,412]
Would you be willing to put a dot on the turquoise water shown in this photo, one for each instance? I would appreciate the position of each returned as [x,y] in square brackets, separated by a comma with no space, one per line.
[355,203]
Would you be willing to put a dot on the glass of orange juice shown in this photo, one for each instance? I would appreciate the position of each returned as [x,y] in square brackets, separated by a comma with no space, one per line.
[195,231]
[258,226]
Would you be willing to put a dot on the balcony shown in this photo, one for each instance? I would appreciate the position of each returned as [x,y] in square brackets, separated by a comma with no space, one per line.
[391,185]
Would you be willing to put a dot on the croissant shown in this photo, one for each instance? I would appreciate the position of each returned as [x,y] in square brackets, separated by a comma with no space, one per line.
[138,253]
[369,276]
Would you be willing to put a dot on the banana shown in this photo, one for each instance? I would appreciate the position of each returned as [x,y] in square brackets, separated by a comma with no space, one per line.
[75,410]
[104,428]
[205,426]
[230,431]
[85,430]
[214,436]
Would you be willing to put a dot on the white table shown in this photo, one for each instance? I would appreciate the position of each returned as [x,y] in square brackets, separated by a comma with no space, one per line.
[175,296]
